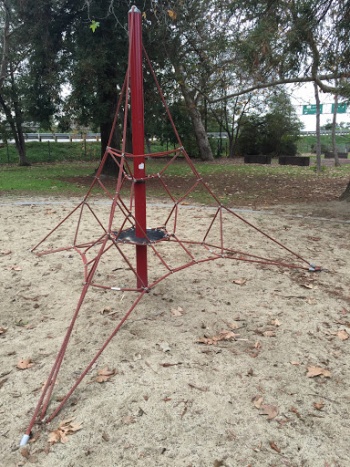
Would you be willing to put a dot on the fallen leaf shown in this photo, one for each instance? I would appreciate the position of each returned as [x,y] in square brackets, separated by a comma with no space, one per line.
[274,447]
[257,401]
[276,322]
[227,335]
[307,286]
[65,428]
[54,437]
[2,330]
[74,426]
[203,389]
[105,374]
[13,268]
[5,252]
[314,371]
[222,336]
[239,281]
[295,410]
[128,420]
[25,363]
[318,405]
[270,410]
[177,311]
[105,310]
[294,363]
[342,334]
[269,334]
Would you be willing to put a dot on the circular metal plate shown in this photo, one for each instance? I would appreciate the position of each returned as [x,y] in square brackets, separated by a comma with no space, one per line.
[129,236]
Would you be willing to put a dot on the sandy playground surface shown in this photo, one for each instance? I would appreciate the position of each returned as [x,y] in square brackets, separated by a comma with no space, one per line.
[274,392]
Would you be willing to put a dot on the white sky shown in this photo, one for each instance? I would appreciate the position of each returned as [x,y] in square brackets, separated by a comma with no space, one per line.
[304,95]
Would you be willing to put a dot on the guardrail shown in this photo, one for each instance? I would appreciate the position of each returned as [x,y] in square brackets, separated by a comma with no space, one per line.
[62,137]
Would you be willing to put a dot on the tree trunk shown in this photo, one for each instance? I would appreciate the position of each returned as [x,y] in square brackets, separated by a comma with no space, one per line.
[17,131]
[110,168]
[20,141]
[345,196]
[21,149]
[202,139]
[318,130]
[334,122]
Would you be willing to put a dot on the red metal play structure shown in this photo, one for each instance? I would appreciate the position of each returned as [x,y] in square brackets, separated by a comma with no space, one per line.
[121,241]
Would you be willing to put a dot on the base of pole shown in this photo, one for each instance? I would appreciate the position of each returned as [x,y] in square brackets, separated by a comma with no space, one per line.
[24,440]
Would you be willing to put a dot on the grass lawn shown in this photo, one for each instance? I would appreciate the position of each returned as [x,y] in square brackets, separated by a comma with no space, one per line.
[44,178]
[234,183]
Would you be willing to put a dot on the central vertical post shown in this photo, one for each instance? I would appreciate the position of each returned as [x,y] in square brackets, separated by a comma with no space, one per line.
[138,140]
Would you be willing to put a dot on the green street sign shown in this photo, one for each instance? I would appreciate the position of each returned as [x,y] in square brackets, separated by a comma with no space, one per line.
[341,108]
[311,109]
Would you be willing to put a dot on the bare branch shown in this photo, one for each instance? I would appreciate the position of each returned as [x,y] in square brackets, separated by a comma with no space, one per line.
[305,79]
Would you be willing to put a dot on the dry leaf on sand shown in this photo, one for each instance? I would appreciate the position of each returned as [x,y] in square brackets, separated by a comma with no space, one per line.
[313,371]
[276,322]
[318,405]
[269,333]
[274,446]
[14,268]
[239,281]
[128,420]
[270,410]
[343,335]
[2,330]
[105,374]
[177,311]
[65,428]
[25,363]
[257,401]
[222,336]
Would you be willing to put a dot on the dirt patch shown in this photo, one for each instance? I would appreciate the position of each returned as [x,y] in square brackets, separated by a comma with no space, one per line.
[245,189]
[227,363]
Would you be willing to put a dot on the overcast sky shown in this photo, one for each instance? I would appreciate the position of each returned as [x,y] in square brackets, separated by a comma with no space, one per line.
[304,95]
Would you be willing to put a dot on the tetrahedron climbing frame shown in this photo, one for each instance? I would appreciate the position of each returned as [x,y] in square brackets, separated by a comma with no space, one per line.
[121,241]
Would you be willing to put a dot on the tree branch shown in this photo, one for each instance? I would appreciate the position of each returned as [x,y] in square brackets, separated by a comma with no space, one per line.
[306,79]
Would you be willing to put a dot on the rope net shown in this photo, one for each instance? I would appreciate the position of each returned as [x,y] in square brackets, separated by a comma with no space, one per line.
[107,239]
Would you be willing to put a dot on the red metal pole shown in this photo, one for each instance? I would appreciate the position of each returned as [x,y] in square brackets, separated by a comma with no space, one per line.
[138,135]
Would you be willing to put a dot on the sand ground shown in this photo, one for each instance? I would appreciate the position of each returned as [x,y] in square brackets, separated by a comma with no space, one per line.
[275,393]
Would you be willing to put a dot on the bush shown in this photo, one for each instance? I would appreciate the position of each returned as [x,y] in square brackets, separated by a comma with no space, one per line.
[275,133]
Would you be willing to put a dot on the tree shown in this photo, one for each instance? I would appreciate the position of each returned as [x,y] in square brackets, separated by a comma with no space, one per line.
[345,196]
[274,133]
[14,51]
[209,51]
